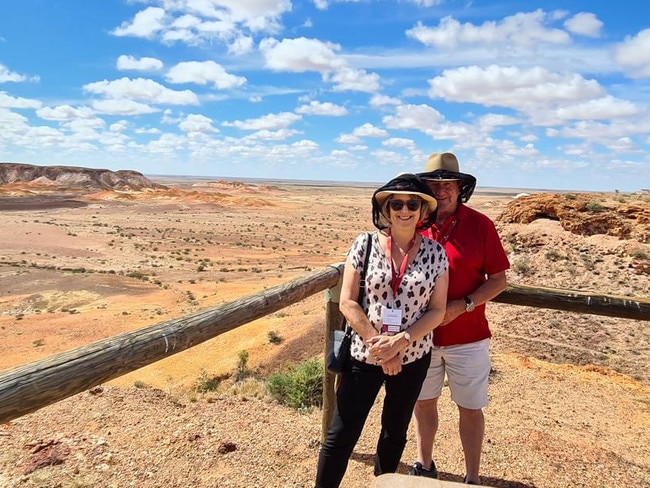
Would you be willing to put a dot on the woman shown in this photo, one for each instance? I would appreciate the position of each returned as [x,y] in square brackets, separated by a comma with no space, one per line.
[405,298]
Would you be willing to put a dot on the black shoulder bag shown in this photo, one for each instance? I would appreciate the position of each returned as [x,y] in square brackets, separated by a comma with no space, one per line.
[339,358]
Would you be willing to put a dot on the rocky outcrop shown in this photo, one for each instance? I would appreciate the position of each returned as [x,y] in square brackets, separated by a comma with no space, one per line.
[583,214]
[73,177]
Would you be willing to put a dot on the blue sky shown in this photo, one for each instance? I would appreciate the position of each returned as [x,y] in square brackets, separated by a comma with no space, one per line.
[551,95]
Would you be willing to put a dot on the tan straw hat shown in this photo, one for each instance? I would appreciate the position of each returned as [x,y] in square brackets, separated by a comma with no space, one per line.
[445,167]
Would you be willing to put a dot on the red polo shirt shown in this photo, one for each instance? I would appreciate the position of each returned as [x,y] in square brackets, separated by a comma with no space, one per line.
[474,251]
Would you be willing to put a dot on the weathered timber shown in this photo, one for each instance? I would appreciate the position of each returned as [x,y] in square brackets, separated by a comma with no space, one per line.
[576,301]
[29,387]
[32,386]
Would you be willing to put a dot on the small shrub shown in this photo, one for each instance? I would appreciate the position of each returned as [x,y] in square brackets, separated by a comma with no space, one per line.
[521,265]
[595,207]
[300,386]
[639,254]
[274,337]
[553,255]
[205,384]
[242,371]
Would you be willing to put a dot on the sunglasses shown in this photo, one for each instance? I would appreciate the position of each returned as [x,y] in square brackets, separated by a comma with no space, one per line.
[412,205]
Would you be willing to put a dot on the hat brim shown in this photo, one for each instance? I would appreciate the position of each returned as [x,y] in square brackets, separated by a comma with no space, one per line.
[467,182]
[444,175]
[383,195]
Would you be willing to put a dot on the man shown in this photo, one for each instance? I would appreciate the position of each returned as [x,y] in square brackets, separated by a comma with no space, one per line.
[477,273]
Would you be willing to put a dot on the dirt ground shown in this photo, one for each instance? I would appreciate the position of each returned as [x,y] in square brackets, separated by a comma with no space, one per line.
[570,400]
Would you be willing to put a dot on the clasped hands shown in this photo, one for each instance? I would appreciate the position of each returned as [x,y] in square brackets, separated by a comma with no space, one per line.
[385,351]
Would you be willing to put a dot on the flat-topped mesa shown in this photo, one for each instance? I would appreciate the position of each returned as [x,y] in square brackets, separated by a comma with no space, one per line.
[75,177]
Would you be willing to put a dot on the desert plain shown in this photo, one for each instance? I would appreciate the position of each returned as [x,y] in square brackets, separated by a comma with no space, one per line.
[570,399]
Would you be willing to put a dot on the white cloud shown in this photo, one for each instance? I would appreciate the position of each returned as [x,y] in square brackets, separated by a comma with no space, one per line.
[241,45]
[599,132]
[125,62]
[418,117]
[358,147]
[399,142]
[300,55]
[119,126]
[141,89]
[634,54]
[348,79]
[369,130]
[146,23]
[266,122]
[203,21]
[522,89]
[8,101]
[319,108]
[380,100]
[395,159]
[272,135]
[197,123]
[10,76]
[602,108]
[490,121]
[521,29]
[203,73]
[39,136]
[122,107]
[11,122]
[347,139]
[65,113]
[585,24]
[86,127]
[167,144]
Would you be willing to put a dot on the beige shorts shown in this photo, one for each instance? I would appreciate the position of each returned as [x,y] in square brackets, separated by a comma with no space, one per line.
[467,367]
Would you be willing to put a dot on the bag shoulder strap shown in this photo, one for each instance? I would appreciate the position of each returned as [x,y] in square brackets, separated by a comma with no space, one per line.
[362,281]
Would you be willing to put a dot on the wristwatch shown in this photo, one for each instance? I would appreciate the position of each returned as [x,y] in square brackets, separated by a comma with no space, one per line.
[407,336]
[469,304]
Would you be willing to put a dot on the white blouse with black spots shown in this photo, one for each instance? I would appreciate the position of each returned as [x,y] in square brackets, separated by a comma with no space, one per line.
[412,296]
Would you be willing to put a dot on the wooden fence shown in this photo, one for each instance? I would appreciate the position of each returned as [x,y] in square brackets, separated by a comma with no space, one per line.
[32,386]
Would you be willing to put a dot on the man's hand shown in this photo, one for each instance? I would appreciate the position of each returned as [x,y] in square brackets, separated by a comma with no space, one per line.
[454,309]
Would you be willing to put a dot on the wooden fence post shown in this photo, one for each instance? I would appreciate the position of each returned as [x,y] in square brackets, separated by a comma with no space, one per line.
[333,320]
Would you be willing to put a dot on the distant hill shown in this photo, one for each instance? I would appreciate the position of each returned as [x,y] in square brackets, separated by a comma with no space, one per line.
[74,177]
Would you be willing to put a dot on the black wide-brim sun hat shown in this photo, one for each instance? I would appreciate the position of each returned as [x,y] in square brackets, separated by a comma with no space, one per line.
[445,167]
[402,184]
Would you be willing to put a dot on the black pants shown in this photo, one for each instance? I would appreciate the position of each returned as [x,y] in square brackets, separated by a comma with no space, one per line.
[355,396]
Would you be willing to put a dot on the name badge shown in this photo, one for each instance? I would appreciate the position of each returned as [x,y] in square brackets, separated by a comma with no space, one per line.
[391,320]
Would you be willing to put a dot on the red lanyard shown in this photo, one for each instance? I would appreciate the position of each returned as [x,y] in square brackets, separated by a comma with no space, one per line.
[397,276]
[447,227]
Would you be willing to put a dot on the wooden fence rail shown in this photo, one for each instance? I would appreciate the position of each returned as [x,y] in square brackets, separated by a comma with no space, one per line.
[29,387]
[577,301]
